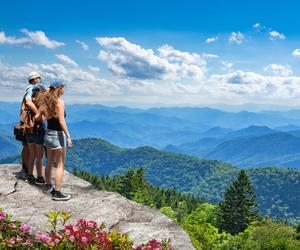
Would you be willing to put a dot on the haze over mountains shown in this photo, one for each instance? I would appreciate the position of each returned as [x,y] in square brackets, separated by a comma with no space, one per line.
[245,139]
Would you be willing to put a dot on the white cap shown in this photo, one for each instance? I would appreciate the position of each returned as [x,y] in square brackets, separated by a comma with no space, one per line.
[33,75]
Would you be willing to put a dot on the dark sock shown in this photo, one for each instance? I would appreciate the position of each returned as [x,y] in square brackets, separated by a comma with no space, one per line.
[24,167]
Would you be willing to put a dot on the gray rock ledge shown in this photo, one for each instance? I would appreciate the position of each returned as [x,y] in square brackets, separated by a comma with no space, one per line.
[29,204]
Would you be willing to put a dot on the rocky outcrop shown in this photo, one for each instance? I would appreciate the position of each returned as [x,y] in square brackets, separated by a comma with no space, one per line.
[29,204]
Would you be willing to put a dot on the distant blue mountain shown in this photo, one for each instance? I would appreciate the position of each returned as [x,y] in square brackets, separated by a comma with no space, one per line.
[279,149]
[287,128]
[180,127]
[9,146]
[255,146]
[248,132]
[233,120]
[216,132]
[195,115]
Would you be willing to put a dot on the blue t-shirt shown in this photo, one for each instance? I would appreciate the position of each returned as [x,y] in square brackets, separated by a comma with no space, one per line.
[28,92]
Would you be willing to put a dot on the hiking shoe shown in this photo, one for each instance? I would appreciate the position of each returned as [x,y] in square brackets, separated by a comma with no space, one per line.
[31,179]
[59,196]
[22,174]
[40,181]
[48,189]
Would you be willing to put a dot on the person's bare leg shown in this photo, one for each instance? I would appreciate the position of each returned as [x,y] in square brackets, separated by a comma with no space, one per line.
[25,156]
[60,162]
[31,159]
[48,169]
[39,158]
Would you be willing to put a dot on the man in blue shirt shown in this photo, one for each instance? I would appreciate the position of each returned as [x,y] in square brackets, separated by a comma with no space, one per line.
[34,141]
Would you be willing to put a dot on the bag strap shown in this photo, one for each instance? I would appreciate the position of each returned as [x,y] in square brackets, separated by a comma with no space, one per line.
[24,108]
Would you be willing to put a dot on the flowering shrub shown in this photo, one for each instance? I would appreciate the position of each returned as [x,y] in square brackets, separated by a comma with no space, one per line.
[85,234]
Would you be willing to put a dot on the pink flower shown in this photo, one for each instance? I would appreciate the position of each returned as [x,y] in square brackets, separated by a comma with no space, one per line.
[84,240]
[29,242]
[75,229]
[19,239]
[25,228]
[12,226]
[72,238]
[43,237]
[56,237]
[2,216]
[12,240]
[92,223]
[67,232]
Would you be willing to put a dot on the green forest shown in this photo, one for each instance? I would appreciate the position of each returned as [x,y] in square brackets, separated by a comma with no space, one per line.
[277,189]
[234,223]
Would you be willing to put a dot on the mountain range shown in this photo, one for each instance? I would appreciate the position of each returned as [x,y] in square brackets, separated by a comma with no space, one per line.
[245,139]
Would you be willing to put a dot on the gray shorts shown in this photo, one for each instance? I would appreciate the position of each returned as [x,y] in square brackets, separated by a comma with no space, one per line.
[55,139]
[36,138]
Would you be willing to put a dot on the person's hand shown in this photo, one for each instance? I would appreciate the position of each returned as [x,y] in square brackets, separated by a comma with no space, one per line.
[37,117]
[70,144]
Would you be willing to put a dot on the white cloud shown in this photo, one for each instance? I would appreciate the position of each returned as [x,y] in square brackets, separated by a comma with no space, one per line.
[277,69]
[83,45]
[257,26]
[33,38]
[236,37]
[227,65]
[11,40]
[66,59]
[239,77]
[85,86]
[129,60]
[296,53]
[94,68]
[259,87]
[81,84]
[212,39]
[210,55]
[275,35]
[40,38]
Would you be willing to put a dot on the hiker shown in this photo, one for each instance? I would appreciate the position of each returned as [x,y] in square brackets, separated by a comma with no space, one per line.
[35,140]
[55,138]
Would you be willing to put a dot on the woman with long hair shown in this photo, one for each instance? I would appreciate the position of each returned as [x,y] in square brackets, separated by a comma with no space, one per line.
[52,107]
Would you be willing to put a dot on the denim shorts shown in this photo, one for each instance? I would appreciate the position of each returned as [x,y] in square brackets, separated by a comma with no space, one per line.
[24,142]
[36,138]
[55,139]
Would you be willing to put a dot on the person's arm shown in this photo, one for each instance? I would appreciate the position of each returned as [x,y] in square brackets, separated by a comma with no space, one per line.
[31,106]
[62,120]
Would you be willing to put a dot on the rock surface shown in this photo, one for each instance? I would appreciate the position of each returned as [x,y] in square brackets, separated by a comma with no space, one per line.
[29,204]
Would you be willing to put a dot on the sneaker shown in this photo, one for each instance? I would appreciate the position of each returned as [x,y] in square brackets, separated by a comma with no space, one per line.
[31,179]
[59,196]
[48,189]
[22,174]
[40,181]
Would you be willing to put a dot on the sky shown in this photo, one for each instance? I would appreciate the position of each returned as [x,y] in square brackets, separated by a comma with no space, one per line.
[155,53]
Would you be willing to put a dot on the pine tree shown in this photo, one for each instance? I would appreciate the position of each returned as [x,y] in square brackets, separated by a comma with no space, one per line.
[238,208]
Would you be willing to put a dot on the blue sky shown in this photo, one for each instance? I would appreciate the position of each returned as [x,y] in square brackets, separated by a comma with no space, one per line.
[155,53]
